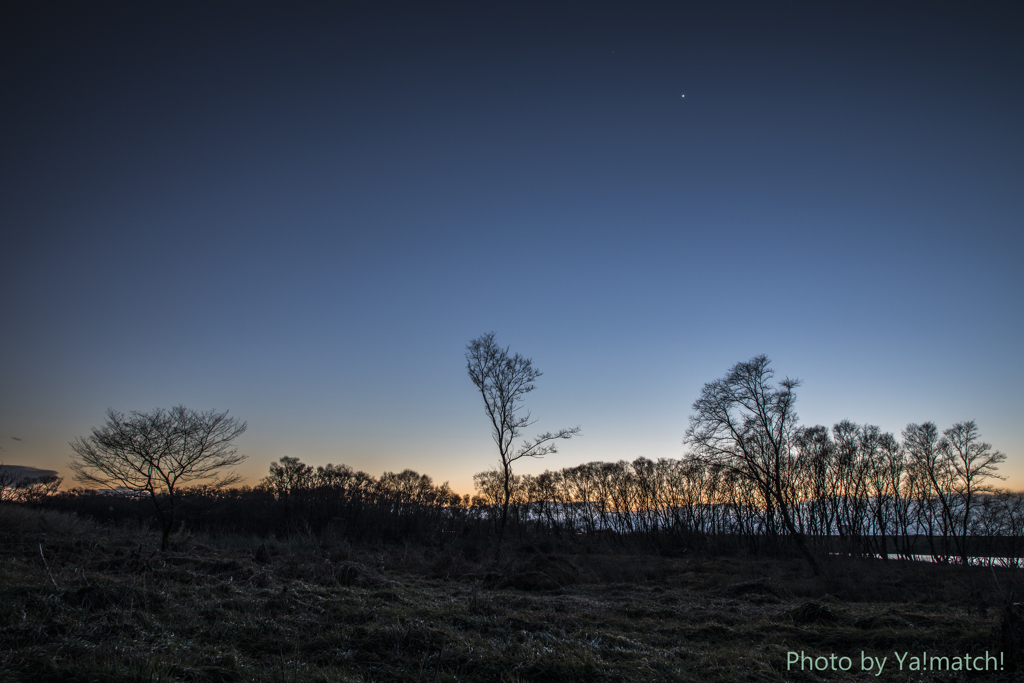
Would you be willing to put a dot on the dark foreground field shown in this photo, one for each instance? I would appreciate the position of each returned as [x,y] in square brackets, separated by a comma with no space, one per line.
[236,609]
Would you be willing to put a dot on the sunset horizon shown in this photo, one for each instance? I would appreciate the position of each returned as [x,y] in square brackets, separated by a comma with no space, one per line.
[303,214]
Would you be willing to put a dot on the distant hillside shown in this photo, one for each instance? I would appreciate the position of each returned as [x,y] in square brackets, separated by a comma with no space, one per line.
[20,472]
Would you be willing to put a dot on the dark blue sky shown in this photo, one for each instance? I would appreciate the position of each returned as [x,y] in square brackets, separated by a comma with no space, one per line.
[304,214]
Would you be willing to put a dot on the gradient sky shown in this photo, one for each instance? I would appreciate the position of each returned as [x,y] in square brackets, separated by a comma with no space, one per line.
[303,215]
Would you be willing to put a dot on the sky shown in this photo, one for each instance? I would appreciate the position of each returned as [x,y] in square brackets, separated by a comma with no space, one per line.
[304,214]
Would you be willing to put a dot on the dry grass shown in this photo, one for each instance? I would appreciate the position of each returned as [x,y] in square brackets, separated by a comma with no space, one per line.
[237,609]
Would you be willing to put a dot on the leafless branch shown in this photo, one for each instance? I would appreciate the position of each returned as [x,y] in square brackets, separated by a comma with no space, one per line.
[158,452]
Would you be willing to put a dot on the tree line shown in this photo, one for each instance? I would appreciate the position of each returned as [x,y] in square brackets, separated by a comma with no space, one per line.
[851,489]
[295,499]
[750,478]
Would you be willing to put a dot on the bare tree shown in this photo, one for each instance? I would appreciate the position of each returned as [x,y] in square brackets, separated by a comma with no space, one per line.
[971,462]
[934,476]
[289,478]
[745,424]
[503,381]
[155,453]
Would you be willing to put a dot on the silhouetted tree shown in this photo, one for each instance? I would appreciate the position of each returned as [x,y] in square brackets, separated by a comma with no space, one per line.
[288,478]
[934,476]
[290,482]
[503,381]
[971,462]
[155,453]
[747,425]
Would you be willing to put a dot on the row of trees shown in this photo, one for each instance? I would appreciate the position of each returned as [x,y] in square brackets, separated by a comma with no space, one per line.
[403,504]
[296,499]
[850,489]
[746,425]
[750,473]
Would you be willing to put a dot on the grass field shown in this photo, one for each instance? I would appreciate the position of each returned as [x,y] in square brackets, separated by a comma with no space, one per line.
[80,602]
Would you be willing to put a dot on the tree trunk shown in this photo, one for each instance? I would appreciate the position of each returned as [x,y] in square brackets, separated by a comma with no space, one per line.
[168,524]
[798,537]
[501,530]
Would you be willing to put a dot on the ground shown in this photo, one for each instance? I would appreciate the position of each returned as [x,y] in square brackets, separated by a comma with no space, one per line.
[82,602]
